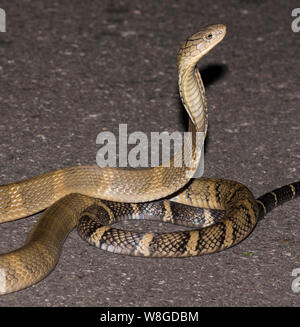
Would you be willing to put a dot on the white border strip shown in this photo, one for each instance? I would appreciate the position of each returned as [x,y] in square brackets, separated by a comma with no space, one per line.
[2,20]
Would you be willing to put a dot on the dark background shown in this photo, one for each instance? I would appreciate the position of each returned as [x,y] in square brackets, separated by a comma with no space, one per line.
[72,69]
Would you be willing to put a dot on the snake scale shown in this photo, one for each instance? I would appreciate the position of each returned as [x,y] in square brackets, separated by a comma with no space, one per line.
[223,212]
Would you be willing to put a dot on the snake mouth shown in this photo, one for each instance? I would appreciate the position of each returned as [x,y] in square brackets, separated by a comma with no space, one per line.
[221,31]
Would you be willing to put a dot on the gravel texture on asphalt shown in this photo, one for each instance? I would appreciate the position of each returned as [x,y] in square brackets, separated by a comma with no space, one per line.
[72,69]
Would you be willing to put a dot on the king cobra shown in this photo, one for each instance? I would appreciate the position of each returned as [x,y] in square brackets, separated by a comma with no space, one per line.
[92,198]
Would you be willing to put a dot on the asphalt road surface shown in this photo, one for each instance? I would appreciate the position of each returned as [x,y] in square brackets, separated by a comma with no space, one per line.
[70,70]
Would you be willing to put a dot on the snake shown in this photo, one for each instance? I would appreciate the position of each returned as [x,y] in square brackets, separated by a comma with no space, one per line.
[221,212]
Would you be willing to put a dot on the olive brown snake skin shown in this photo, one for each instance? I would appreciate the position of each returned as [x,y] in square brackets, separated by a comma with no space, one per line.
[77,196]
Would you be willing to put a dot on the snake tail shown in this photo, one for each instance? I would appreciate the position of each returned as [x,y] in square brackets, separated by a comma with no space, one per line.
[275,198]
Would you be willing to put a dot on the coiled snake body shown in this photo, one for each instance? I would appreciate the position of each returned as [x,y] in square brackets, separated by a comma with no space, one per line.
[77,196]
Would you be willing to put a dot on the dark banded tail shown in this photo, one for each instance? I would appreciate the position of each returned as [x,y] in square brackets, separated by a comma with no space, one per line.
[273,199]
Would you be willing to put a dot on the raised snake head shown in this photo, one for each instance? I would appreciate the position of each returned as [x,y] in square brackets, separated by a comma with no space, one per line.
[199,44]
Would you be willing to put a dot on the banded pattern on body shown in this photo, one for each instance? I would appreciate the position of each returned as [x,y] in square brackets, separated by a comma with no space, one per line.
[228,217]
[234,215]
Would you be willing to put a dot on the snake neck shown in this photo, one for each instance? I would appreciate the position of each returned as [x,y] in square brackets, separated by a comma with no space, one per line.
[192,94]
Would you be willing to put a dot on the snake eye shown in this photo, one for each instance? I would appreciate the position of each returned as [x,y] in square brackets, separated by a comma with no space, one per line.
[209,36]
